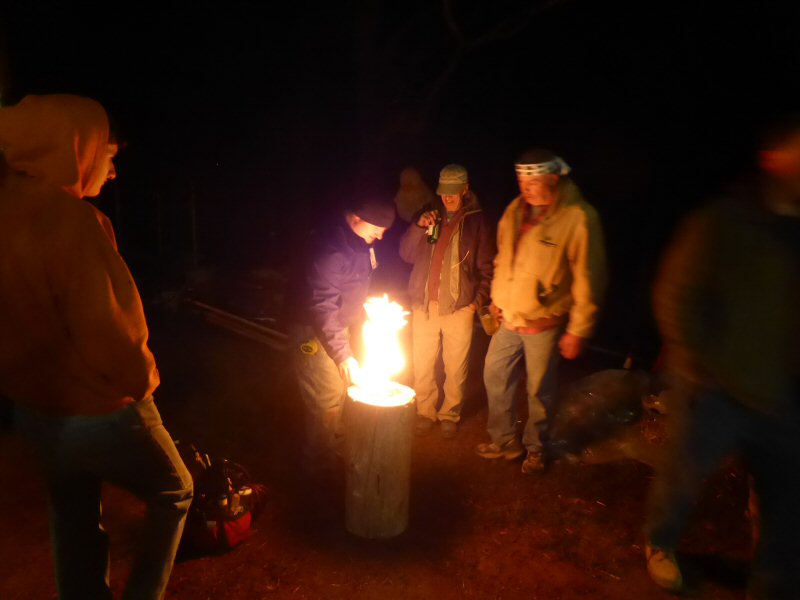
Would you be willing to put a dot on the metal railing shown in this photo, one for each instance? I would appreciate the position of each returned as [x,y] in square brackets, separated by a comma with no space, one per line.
[271,337]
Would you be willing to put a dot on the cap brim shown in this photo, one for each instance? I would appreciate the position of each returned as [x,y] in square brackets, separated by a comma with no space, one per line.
[449,189]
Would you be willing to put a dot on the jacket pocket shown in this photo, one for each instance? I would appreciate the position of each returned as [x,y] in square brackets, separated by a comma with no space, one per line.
[545,293]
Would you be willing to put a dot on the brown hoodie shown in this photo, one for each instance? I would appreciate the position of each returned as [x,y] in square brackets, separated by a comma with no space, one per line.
[73,338]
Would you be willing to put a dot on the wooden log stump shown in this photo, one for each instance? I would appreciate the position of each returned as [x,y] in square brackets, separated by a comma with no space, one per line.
[378,458]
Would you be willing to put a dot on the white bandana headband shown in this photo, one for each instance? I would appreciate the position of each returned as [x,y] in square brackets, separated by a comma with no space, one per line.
[557,166]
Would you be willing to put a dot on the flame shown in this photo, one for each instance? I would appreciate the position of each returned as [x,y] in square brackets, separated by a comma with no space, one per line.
[383,356]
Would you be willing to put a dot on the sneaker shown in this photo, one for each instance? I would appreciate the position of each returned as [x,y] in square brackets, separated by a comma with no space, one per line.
[449,429]
[663,568]
[533,463]
[509,451]
[423,426]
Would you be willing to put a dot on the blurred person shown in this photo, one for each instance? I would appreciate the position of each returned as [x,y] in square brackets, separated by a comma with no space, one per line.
[549,275]
[450,279]
[325,303]
[726,303]
[73,348]
[412,195]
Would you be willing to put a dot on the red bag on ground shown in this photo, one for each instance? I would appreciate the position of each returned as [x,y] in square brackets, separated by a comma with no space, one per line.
[225,505]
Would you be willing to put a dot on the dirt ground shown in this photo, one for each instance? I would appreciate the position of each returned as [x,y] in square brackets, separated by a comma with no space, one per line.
[477,529]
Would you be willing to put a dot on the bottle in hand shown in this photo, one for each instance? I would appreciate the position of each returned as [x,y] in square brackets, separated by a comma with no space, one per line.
[434,229]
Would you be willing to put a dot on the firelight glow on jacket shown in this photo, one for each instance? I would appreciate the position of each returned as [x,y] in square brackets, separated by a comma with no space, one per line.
[556,269]
[330,287]
[73,337]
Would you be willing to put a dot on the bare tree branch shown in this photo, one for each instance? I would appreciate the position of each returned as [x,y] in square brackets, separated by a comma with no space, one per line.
[398,90]
[506,29]
[515,24]
[450,20]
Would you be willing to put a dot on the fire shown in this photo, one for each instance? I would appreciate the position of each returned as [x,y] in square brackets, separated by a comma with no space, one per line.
[383,355]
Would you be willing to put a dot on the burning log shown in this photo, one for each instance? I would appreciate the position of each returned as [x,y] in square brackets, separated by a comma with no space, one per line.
[378,421]
[378,452]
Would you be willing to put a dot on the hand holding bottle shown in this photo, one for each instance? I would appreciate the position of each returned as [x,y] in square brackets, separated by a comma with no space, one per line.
[430,220]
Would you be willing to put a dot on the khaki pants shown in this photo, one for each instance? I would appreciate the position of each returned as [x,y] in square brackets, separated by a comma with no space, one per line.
[324,394]
[452,334]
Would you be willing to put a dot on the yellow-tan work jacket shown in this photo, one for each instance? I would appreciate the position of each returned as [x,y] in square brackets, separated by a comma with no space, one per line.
[556,269]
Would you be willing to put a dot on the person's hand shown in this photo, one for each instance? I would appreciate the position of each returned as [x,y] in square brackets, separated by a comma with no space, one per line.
[571,345]
[427,219]
[497,313]
[348,370]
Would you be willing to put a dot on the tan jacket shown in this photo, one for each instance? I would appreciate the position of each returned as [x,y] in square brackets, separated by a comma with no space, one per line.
[73,337]
[557,269]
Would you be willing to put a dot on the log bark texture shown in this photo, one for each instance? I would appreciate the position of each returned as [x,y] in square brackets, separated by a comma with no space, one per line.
[378,454]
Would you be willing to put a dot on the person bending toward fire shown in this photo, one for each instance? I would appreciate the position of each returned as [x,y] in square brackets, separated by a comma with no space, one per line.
[325,300]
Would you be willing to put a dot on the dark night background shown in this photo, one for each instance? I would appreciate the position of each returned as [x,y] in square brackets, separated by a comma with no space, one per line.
[254,118]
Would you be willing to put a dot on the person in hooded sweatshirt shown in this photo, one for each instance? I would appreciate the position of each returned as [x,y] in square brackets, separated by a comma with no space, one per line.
[74,359]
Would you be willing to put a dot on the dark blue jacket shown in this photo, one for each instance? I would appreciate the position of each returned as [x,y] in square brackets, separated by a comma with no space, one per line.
[331,287]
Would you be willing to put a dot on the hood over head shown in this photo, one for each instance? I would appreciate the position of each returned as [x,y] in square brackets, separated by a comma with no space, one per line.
[59,138]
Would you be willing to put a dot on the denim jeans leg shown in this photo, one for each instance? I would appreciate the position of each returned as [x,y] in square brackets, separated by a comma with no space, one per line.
[539,367]
[130,448]
[773,457]
[705,430]
[501,375]
[80,544]
[164,484]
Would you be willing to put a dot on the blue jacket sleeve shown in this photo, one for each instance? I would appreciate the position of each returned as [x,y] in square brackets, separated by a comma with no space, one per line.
[324,279]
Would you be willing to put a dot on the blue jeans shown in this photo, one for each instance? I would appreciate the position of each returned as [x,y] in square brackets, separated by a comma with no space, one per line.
[502,373]
[129,448]
[708,428]
[324,393]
